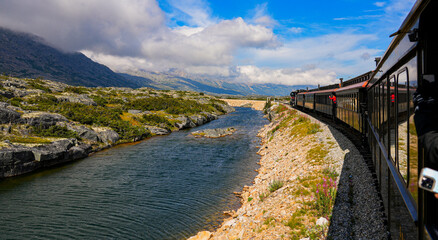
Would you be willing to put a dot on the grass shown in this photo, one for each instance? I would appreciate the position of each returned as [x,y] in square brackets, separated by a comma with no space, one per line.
[275,185]
[25,139]
[317,153]
[263,196]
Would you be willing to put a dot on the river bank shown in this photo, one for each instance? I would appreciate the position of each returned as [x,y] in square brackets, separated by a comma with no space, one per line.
[45,123]
[166,187]
[312,184]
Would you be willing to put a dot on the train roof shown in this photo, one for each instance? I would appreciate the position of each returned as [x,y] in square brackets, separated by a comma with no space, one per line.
[353,86]
[405,27]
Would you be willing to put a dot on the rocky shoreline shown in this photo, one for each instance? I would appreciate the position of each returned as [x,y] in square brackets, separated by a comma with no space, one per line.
[34,135]
[19,159]
[299,155]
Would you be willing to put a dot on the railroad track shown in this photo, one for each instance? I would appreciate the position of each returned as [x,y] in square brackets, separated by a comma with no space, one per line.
[361,144]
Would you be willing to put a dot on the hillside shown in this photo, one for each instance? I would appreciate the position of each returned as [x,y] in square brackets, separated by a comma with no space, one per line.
[28,56]
[25,55]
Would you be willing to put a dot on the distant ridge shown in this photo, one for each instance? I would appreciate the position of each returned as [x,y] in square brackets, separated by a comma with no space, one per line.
[26,55]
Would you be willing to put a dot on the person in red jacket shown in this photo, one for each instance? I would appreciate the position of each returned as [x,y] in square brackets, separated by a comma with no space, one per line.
[333,98]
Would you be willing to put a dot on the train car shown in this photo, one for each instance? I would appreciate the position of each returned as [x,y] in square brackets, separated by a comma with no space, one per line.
[309,100]
[323,103]
[300,98]
[395,149]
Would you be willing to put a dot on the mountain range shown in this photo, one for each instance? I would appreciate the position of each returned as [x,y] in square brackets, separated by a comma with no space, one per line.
[26,55]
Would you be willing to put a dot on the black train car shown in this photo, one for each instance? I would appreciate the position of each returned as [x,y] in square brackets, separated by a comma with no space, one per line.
[397,156]
[350,97]
[380,105]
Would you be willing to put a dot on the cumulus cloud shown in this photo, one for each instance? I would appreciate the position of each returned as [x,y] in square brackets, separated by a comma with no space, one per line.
[293,76]
[136,34]
[110,26]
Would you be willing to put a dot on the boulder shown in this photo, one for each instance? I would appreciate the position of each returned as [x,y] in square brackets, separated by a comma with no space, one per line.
[42,119]
[108,136]
[184,122]
[322,221]
[83,131]
[227,108]
[53,153]
[198,119]
[79,152]
[157,130]
[8,115]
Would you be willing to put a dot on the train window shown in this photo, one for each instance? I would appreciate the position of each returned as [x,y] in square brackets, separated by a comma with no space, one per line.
[412,133]
[402,123]
[393,126]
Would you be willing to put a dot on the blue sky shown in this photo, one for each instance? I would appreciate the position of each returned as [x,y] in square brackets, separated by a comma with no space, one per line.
[284,42]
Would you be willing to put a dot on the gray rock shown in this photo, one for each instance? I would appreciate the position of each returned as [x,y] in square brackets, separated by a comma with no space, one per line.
[82,131]
[56,151]
[77,98]
[198,119]
[322,221]
[184,122]
[43,119]
[79,152]
[227,108]
[158,131]
[8,116]
[6,94]
[109,136]
[3,104]
[134,111]
[214,133]
[10,156]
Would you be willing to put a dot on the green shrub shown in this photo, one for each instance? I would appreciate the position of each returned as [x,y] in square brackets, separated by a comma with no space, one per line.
[55,131]
[155,120]
[275,185]
[100,101]
[77,90]
[37,84]
[170,105]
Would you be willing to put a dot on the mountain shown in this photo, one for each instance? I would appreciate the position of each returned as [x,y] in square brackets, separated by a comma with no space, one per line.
[26,55]
[176,80]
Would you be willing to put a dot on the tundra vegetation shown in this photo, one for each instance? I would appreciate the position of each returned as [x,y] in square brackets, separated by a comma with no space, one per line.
[37,111]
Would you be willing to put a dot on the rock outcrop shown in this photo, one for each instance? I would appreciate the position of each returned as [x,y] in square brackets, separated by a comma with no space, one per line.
[42,119]
[8,115]
[214,133]
[18,160]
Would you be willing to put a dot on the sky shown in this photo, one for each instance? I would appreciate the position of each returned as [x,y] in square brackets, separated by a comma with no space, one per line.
[287,42]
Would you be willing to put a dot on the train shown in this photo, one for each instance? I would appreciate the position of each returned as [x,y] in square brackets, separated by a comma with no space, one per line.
[379,105]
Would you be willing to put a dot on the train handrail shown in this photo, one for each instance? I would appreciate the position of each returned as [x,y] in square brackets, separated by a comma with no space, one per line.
[399,183]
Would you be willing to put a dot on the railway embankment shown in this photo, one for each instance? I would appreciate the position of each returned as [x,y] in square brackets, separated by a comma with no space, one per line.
[312,184]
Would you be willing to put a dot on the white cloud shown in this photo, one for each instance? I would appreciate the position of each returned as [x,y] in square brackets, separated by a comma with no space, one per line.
[380,4]
[134,34]
[296,30]
[110,26]
[260,16]
[195,13]
[295,76]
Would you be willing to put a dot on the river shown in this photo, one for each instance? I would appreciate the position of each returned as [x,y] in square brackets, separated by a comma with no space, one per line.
[166,187]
